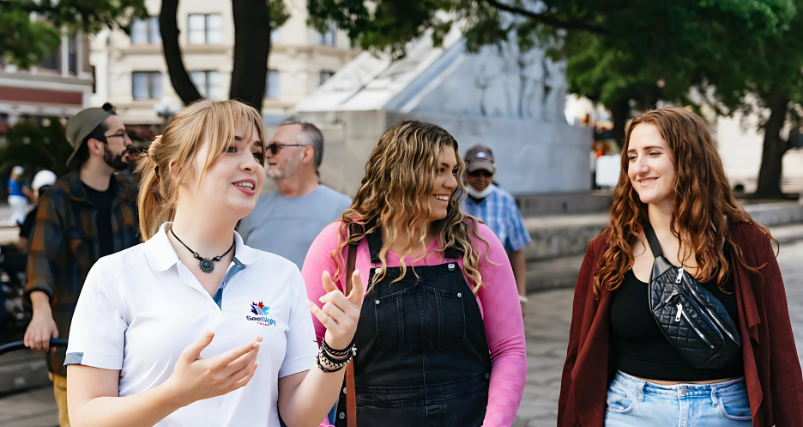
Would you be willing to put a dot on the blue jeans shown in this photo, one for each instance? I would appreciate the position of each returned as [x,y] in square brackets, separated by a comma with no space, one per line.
[636,403]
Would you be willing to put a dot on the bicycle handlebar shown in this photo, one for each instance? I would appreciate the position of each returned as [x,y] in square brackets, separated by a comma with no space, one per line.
[19,345]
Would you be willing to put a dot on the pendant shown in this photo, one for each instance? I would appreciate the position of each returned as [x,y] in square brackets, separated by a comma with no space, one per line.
[206,265]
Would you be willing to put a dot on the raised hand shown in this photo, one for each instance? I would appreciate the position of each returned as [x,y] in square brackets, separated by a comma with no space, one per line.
[340,314]
[195,378]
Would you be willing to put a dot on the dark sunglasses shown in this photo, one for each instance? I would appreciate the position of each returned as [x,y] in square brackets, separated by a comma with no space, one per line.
[480,172]
[275,147]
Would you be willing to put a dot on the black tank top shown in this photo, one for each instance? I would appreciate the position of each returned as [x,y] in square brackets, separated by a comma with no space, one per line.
[639,348]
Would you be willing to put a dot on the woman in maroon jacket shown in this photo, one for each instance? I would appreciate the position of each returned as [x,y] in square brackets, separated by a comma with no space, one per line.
[621,370]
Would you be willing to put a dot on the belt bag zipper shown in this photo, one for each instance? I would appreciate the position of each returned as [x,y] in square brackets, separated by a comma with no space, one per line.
[688,320]
[704,306]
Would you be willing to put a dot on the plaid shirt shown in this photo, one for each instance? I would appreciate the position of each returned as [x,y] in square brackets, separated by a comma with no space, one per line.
[500,213]
[65,245]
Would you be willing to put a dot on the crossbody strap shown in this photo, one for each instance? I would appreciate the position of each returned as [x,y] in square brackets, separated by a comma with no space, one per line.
[652,239]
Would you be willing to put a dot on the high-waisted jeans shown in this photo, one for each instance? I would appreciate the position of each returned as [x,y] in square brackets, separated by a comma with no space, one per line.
[633,402]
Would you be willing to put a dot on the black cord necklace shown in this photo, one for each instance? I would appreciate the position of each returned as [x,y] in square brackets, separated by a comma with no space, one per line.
[204,263]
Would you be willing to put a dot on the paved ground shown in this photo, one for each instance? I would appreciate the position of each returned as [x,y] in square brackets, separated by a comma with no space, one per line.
[547,329]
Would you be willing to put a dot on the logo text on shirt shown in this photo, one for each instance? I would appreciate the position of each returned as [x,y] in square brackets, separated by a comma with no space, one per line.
[261,311]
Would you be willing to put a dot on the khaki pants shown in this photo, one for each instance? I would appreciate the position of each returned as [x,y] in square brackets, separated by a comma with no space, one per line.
[60,391]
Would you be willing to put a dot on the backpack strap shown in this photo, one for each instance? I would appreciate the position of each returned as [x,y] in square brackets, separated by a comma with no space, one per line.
[652,239]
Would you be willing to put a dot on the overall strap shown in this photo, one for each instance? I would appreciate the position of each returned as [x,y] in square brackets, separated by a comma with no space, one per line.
[351,398]
[655,245]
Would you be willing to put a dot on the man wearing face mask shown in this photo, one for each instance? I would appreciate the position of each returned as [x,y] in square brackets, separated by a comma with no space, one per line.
[87,214]
[497,208]
[286,222]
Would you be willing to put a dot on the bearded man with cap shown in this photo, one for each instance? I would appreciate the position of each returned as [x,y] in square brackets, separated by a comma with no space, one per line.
[87,214]
[497,208]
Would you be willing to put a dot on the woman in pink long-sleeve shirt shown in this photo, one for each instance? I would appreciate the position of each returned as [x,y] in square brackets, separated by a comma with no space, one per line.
[428,353]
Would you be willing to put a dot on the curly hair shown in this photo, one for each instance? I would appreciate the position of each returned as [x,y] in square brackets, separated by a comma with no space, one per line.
[396,192]
[703,207]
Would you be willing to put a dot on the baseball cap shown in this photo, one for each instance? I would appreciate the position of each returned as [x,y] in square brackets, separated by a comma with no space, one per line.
[82,125]
[480,157]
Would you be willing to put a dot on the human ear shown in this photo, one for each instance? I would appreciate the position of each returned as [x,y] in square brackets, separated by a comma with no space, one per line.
[94,147]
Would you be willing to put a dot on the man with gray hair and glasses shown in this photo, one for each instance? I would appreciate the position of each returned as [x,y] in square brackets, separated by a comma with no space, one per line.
[285,222]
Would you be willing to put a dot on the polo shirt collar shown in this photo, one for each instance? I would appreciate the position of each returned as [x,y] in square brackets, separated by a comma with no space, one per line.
[161,256]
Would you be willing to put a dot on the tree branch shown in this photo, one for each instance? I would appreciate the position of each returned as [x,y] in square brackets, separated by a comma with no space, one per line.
[548,20]
[251,49]
[180,79]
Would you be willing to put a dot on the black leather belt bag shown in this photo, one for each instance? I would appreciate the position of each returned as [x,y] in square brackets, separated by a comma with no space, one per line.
[690,316]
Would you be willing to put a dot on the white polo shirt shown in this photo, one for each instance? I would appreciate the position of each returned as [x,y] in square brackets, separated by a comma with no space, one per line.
[141,307]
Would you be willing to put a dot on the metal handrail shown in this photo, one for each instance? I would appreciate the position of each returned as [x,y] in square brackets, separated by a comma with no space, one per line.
[19,345]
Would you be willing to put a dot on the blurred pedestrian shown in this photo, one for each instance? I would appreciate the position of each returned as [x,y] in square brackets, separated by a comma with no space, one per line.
[148,314]
[87,214]
[680,314]
[497,209]
[285,222]
[42,181]
[18,195]
[440,341]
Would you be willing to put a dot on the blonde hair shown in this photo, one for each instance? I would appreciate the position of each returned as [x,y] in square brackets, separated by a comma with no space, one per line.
[213,122]
[399,179]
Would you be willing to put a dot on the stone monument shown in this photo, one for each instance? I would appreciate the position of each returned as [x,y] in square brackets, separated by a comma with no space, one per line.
[509,100]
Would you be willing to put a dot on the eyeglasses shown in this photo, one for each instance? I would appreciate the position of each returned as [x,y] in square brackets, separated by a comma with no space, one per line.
[117,135]
[275,147]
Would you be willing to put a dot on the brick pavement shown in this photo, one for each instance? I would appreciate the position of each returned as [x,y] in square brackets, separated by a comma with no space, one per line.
[547,329]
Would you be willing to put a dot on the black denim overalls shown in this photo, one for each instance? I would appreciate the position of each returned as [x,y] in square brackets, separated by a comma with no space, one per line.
[422,355]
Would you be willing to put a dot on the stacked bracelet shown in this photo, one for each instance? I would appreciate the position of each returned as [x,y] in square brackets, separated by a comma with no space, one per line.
[334,352]
[327,363]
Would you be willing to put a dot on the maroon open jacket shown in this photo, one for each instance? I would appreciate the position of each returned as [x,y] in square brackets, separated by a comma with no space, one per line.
[771,366]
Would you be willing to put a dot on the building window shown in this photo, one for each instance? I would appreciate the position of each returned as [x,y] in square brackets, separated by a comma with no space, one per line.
[326,75]
[328,38]
[272,89]
[146,31]
[51,61]
[205,29]
[208,84]
[146,84]
[72,58]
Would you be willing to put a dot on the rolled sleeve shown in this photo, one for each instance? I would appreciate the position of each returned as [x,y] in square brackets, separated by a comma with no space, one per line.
[97,334]
[301,345]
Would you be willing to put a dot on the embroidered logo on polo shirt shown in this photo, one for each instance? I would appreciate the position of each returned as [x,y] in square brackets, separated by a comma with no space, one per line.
[261,318]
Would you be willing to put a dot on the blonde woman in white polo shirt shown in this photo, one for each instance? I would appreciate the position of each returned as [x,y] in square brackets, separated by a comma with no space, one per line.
[171,336]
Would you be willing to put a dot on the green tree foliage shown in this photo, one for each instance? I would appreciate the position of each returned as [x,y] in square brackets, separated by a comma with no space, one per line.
[624,54]
[25,41]
[36,146]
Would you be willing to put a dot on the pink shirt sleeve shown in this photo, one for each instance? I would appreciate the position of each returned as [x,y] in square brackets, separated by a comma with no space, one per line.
[317,261]
[504,329]
[498,300]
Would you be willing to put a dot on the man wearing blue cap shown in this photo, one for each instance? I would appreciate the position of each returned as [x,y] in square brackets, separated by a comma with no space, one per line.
[87,214]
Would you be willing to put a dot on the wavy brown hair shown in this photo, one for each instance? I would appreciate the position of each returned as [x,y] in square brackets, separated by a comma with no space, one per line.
[396,192]
[703,209]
